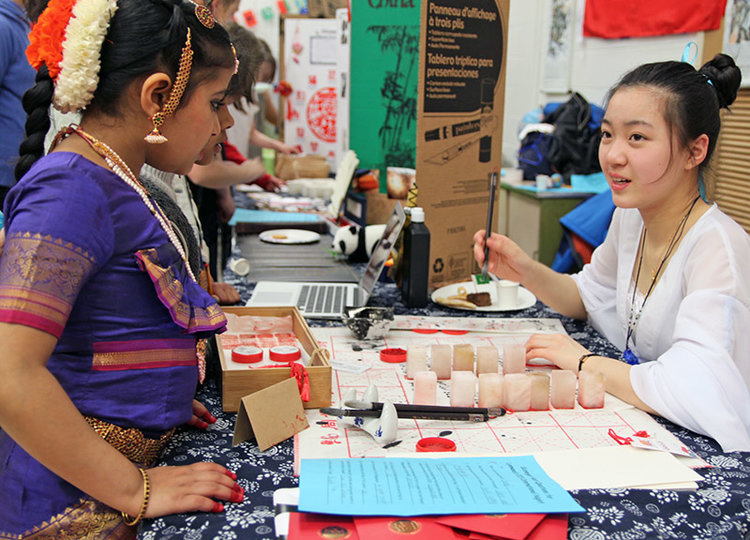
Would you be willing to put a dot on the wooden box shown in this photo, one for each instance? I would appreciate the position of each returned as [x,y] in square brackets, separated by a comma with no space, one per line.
[235,384]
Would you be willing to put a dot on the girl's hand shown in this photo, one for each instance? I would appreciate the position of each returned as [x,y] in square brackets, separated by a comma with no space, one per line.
[201,417]
[288,148]
[506,259]
[190,488]
[274,183]
[225,294]
[561,349]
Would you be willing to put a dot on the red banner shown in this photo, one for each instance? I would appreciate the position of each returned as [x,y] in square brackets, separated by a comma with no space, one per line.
[640,18]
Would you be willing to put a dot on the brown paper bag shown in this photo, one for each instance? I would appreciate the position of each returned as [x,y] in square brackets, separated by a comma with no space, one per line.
[289,167]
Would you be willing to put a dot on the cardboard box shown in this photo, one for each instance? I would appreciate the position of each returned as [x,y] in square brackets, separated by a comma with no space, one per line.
[462,68]
[236,384]
[325,9]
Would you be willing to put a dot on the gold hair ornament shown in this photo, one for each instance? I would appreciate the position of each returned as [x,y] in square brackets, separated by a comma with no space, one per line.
[180,83]
[237,60]
[204,16]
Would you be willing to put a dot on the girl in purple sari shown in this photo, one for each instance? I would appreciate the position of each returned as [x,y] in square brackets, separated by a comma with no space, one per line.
[101,318]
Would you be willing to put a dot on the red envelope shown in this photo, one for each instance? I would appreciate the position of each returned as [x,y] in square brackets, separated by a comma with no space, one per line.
[316,526]
[553,527]
[510,526]
[400,527]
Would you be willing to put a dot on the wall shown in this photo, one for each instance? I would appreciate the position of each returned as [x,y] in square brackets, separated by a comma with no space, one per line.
[596,63]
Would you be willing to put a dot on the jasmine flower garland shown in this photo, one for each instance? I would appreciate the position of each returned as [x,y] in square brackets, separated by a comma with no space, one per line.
[81,50]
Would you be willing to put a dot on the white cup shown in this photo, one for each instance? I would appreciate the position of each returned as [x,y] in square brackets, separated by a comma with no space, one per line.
[507,294]
[239,266]
[513,177]
[542,182]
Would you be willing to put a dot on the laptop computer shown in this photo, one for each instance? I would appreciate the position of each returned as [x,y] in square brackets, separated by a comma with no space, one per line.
[328,300]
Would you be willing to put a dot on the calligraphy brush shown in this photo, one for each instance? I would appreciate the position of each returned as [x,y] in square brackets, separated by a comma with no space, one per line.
[488,229]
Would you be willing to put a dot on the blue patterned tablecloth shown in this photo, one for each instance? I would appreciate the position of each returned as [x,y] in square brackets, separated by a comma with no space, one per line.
[719,509]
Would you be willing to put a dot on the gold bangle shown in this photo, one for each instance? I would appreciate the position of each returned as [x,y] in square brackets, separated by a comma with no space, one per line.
[146,496]
[583,358]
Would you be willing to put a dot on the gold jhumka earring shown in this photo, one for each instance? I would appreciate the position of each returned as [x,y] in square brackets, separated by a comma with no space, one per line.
[183,74]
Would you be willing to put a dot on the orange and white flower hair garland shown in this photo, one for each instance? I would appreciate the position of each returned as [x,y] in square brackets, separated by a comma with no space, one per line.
[68,38]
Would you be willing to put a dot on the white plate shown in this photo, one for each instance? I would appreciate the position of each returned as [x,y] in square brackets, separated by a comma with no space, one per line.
[289,236]
[525,298]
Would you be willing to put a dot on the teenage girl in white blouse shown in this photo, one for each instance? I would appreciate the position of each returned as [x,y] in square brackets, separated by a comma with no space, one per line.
[670,285]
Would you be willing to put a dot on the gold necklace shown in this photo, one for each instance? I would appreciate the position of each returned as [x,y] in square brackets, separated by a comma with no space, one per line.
[121,169]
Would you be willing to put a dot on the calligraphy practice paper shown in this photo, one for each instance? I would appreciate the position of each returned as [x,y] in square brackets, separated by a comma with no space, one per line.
[413,486]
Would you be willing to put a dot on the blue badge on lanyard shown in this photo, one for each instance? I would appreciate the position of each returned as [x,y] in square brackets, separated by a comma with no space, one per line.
[630,358]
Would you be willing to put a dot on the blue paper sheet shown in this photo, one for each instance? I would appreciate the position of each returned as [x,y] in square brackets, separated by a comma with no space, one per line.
[416,486]
[243,215]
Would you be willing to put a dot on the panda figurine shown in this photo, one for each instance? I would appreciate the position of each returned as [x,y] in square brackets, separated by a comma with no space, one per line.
[357,242]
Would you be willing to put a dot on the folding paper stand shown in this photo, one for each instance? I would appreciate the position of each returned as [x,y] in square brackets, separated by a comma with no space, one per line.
[270,415]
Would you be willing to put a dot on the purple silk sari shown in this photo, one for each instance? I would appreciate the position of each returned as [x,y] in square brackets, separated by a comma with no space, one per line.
[85,261]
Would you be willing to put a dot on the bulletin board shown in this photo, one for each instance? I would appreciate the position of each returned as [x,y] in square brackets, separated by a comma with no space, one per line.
[310,54]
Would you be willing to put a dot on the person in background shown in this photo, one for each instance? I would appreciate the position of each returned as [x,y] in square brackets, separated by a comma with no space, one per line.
[16,76]
[223,10]
[670,285]
[246,134]
[101,318]
[211,183]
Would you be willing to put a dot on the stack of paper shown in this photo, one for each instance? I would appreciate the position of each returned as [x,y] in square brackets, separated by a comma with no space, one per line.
[294,525]
[471,527]
[473,498]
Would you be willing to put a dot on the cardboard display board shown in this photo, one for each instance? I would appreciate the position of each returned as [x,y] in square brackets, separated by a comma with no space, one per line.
[461,97]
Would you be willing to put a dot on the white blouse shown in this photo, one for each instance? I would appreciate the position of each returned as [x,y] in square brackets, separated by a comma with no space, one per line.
[693,336]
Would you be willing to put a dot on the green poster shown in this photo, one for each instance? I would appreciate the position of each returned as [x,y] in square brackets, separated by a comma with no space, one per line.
[384,74]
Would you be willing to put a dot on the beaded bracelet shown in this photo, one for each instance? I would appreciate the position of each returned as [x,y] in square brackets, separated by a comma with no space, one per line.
[146,496]
[583,358]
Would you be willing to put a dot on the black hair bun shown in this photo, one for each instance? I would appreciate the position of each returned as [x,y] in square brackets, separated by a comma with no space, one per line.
[725,76]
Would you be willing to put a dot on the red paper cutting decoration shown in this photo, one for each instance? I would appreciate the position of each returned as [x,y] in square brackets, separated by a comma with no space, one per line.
[321,114]
[250,19]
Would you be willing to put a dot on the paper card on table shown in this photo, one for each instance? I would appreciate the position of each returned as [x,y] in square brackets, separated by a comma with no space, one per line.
[672,446]
[316,526]
[510,526]
[270,415]
[418,486]
[382,528]
[615,467]
[552,527]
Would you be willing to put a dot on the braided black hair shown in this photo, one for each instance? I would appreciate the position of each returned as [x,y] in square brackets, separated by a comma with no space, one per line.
[36,101]
[144,37]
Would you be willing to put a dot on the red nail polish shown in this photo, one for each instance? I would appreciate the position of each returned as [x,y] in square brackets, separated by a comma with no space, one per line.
[200,424]
[236,497]
[211,418]
[230,474]
[218,507]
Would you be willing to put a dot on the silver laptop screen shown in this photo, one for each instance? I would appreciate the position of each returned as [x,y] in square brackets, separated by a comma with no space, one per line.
[382,249]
